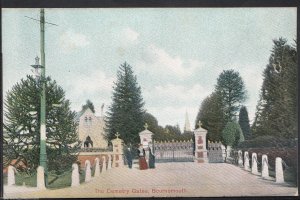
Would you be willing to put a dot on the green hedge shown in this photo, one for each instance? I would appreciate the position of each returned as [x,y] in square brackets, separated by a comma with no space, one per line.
[267,141]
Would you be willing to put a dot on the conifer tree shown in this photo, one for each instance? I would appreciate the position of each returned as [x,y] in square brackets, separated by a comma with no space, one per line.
[276,111]
[126,113]
[212,117]
[22,126]
[244,122]
[231,87]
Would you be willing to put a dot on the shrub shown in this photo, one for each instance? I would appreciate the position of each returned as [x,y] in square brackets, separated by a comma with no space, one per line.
[267,141]
[232,134]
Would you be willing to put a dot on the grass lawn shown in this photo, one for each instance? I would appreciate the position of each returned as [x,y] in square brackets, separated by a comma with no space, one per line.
[54,182]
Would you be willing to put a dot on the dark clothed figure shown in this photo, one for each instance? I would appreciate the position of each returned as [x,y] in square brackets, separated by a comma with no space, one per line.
[128,157]
[151,160]
[142,160]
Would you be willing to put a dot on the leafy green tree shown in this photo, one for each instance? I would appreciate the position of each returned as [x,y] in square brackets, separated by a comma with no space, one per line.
[89,105]
[165,134]
[212,117]
[232,134]
[22,126]
[231,87]
[276,111]
[126,113]
[174,130]
[244,122]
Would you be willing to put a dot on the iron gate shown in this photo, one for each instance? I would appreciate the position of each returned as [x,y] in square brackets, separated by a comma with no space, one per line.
[174,151]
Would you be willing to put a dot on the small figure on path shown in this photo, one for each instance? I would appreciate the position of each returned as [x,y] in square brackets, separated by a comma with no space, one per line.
[142,160]
[128,157]
[151,159]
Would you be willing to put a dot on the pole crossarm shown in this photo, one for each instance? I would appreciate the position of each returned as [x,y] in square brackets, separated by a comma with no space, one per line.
[41,21]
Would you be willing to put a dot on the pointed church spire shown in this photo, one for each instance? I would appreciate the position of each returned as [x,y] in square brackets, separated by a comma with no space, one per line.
[187,127]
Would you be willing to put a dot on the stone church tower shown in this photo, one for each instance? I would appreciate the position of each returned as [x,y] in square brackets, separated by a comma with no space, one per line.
[187,127]
[91,130]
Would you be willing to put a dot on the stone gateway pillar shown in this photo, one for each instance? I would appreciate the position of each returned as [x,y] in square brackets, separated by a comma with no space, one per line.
[117,151]
[146,141]
[200,145]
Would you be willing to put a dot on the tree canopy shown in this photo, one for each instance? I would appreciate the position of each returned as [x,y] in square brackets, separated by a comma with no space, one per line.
[244,122]
[126,113]
[232,134]
[212,117]
[22,126]
[231,87]
[276,111]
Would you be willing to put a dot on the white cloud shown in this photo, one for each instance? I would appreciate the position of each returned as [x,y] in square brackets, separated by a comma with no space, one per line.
[95,86]
[158,59]
[70,41]
[253,80]
[179,93]
[130,34]
[172,101]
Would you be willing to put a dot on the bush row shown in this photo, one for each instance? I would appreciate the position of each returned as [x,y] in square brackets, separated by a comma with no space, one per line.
[268,141]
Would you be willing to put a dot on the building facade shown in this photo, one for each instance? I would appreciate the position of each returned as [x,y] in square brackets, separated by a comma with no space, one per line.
[91,130]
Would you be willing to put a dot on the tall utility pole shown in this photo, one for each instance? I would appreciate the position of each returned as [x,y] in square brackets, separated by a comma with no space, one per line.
[43,153]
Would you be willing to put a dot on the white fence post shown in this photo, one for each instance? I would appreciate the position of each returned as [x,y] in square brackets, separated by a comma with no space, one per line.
[88,171]
[279,170]
[97,167]
[246,161]
[254,164]
[75,175]
[11,180]
[265,166]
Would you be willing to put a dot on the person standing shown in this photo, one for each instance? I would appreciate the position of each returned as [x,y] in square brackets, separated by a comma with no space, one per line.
[151,159]
[142,160]
[128,157]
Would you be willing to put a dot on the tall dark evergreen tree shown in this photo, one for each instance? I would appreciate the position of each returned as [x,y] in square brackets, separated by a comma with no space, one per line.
[126,113]
[231,87]
[22,126]
[244,122]
[276,112]
[89,105]
[212,117]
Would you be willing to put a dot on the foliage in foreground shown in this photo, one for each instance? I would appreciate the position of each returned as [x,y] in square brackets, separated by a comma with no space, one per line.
[22,126]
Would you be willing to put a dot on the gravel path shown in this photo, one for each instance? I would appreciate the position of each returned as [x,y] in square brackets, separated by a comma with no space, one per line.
[168,179]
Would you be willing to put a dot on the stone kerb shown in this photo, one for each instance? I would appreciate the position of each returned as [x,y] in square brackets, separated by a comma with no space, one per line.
[200,145]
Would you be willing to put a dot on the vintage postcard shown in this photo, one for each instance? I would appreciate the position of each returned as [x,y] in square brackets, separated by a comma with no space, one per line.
[149,102]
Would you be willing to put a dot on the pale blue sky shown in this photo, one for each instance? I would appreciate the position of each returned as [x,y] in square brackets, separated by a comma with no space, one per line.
[177,54]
